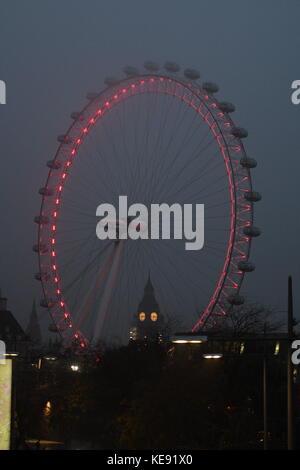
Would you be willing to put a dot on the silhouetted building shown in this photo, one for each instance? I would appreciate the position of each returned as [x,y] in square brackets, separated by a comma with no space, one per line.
[10,331]
[148,324]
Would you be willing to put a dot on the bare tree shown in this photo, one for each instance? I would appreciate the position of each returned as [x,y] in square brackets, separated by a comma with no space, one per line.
[252,319]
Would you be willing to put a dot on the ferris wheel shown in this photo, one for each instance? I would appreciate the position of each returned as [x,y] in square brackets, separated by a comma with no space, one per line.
[156,136]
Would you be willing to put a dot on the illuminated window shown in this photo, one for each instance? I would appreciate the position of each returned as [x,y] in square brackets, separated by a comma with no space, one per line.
[142,316]
[154,316]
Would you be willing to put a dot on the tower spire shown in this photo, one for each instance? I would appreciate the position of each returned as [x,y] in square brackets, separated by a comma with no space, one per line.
[33,328]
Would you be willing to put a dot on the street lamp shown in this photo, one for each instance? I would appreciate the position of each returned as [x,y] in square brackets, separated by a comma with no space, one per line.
[212,356]
[188,339]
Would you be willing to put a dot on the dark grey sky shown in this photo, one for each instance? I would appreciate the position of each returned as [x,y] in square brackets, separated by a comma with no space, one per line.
[53,52]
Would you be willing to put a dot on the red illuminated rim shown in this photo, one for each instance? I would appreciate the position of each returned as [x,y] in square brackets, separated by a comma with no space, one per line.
[238,177]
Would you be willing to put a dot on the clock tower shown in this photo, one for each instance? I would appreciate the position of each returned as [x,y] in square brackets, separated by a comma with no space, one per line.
[148,322]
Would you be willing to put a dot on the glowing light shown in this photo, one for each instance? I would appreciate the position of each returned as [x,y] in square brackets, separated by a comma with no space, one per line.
[75,367]
[188,339]
[47,409]
[154,316]
[142,316]
[212,356]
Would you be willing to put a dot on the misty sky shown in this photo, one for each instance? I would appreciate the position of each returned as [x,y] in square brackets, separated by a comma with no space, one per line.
[52,53]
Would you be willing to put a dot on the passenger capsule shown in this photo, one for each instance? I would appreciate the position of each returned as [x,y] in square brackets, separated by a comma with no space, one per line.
[91,95]
[191,74]
[151,66]
[64,139]
[172,67]
[252,196]
[41,276]
[236,299]
[41,219]
[53,328]
[40,248]
[46,303]
[77,116]
[248,162]
[251,231]
[210,87]
[130,71]
[46,191]
[54,164]
[246,266]
[239,132]
[111,81]
[226,107]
